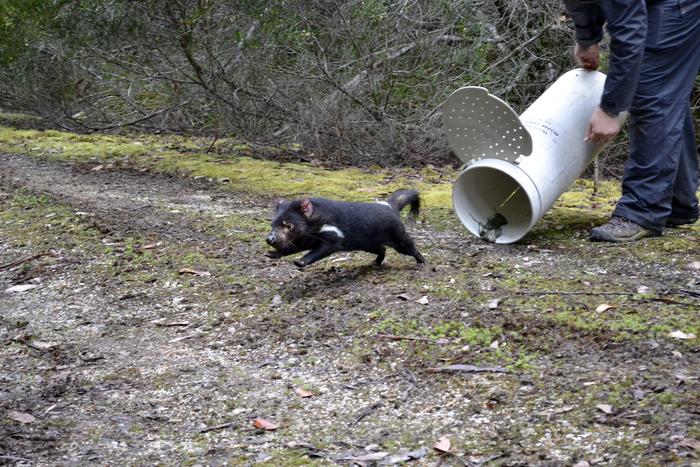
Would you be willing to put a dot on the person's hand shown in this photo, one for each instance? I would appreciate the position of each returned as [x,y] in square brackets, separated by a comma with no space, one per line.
[602,127]
[588,57]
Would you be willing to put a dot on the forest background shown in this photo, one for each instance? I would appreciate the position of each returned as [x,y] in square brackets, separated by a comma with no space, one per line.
[339,82]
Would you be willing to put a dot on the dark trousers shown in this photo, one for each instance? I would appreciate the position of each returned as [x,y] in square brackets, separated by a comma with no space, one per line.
[661,175]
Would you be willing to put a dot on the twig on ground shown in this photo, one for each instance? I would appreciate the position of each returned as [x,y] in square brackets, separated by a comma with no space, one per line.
[32,345]
[366,412]
[468,369]
[490,458]
[560,292]
[213,142]
[25,260]
[17,459]
[394,337]
[693,293]
[216,427]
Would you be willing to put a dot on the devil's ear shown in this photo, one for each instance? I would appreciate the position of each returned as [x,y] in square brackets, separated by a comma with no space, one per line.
[307,209]
[279,204]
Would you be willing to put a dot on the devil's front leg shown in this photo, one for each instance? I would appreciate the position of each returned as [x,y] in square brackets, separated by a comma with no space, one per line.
[321,251]
[277,254]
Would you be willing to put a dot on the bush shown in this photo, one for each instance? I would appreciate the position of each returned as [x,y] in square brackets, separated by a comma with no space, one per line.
[353,81]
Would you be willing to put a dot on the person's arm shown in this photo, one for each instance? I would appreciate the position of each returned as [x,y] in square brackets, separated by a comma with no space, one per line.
[588,21]
[627,27]
[627,24]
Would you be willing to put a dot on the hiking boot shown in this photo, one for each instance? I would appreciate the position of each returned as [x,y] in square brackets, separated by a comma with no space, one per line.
[677,221]
[619,229]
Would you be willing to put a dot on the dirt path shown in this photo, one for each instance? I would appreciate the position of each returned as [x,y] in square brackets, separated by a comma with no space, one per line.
[122,358]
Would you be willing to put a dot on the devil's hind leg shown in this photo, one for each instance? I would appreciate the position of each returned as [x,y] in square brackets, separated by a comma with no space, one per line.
[406,246]
[381,253]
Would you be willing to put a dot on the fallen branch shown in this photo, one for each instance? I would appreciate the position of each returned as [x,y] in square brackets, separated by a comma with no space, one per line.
[17,459]
[216,427]
[366,412]
[692,293]
[559,292]
[25,260]
[468,369]
[680,292]
[394,337]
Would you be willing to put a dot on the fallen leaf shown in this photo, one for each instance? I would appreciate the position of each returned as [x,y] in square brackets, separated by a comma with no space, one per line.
[582,464]
[276,300]
[262,424]
[682,335]
[495,345]
[423,300]
[303,393]
[493,304]
[404,296]
[603,307]
[689,443]
[20,288]
[21,417]
[443,444]
[97,168]
[642,289]
[694,266]
[677,354]
[605,408]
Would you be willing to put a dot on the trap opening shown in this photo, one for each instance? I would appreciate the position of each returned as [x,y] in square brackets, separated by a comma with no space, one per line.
[496,201]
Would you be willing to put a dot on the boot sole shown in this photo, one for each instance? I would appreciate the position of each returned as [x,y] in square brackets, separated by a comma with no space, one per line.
[597,236]
[671,223]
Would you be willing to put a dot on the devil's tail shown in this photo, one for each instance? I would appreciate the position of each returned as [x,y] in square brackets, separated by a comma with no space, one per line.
[402,198]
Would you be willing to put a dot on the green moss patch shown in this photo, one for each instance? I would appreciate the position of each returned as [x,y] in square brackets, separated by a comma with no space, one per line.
[235,170]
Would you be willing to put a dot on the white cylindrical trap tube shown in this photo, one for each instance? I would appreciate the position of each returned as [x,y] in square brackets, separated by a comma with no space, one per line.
[516,167]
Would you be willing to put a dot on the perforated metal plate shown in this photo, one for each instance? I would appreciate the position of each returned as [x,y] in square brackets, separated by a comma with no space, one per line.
[479,126]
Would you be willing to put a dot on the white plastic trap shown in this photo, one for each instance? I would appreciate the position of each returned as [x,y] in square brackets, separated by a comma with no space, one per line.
[516,167]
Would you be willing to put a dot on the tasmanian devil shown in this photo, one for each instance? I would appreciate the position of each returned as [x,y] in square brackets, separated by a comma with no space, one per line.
[324,226]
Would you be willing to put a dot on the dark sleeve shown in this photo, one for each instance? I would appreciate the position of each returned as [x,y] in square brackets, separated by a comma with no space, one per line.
[588,21]
[627,27]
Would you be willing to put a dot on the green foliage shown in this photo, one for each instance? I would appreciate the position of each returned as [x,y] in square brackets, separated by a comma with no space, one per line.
[352,82]
[23,24]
